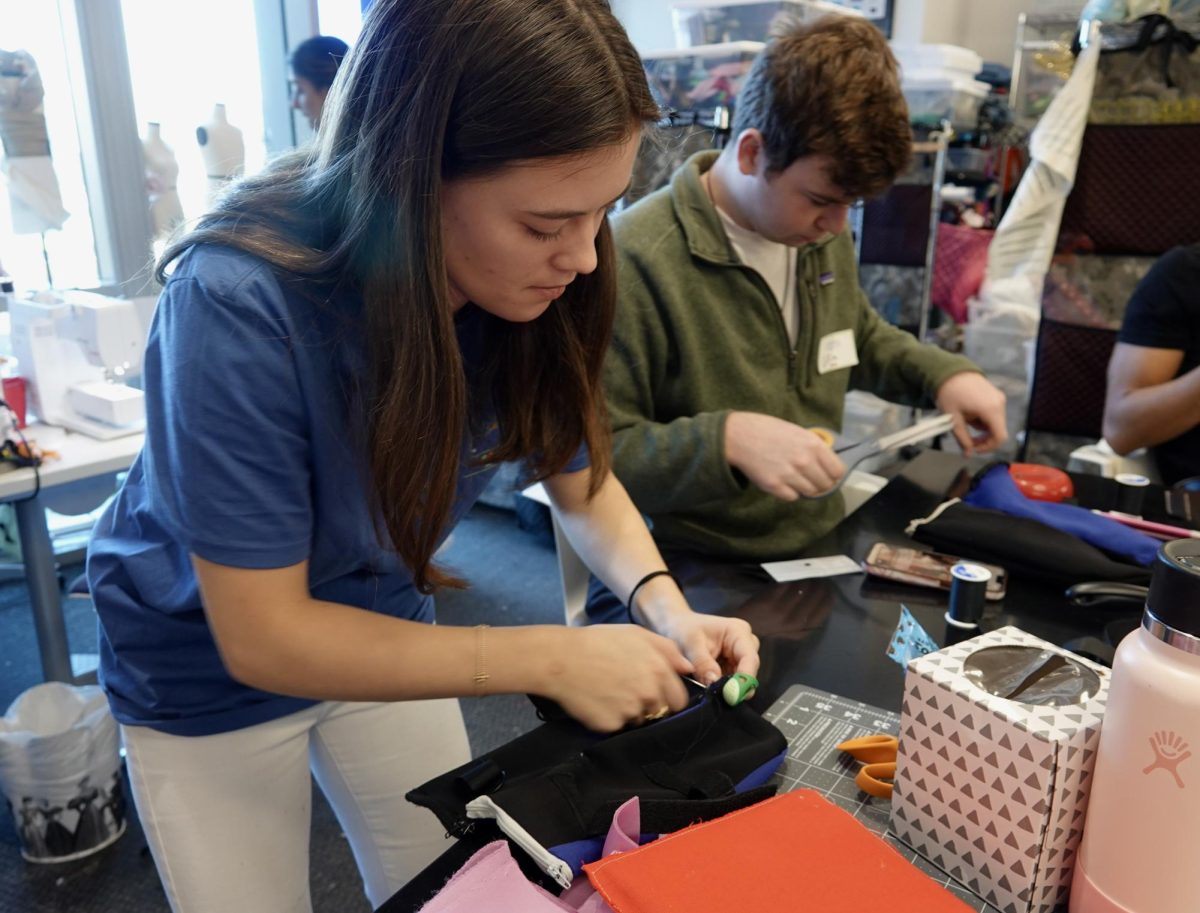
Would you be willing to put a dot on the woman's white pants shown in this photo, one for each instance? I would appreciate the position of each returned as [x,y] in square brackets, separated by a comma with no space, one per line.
[227,816]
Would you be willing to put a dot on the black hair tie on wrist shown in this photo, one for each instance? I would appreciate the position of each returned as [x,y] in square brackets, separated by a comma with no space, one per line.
[637,586]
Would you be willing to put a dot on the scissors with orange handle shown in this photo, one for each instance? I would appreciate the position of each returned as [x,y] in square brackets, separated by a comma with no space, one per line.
[878,754]
[825,435]
[853,454]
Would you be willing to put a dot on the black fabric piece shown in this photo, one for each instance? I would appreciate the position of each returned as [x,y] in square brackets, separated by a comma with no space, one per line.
[552,743]
[563,783]
[1023,546]
[665,816]
[480,776]
[1126,198]
[1069,376]
[895,228]
[1092,648]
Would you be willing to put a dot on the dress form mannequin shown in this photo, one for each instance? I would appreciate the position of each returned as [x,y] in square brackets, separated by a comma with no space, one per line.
[162,171]
[32,184]
[222,149]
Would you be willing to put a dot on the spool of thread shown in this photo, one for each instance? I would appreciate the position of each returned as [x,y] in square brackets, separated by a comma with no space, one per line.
[739,687]
[968,591]
[1131,492]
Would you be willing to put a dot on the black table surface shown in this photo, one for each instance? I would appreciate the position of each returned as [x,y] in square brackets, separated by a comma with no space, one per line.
[833,633]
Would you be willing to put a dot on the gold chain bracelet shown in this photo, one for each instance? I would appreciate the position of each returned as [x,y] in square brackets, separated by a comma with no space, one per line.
[481,672]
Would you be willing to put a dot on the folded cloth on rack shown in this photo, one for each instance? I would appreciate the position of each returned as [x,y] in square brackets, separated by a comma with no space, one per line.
[554,793]
[994,488]
[1020,252]
[1021,545]
[797,851]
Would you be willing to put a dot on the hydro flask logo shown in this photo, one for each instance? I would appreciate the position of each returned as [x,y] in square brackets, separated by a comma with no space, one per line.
[1170,750]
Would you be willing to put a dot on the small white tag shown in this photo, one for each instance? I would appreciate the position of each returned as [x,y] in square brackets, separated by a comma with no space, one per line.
[837,351]
[806,568]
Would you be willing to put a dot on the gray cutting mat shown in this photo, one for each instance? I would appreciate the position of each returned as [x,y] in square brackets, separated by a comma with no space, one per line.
[814,722]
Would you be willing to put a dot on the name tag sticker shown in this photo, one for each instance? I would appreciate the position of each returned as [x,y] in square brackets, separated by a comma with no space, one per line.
[807,568]
[837,351]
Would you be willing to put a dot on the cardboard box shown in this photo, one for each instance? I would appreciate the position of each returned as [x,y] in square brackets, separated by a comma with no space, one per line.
[991,789]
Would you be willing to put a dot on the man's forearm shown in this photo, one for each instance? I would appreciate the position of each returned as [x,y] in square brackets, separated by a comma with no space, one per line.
[1153,415]
[671,467]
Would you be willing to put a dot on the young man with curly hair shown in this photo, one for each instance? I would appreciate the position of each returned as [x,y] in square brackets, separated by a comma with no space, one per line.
[741,322]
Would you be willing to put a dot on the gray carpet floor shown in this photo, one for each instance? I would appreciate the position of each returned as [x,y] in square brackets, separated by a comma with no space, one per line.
[514,580]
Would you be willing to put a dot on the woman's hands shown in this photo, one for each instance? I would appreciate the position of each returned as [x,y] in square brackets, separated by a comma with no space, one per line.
[611,675]
[714,644]
[607,676]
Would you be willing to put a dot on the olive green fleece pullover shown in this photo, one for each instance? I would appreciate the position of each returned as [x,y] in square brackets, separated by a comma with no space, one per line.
[699,335]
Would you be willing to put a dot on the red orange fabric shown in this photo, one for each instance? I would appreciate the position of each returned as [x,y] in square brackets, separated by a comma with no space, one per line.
[794,852]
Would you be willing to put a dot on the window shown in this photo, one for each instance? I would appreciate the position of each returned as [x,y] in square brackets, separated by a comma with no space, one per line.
[184,59]
[184,63]
[68,258]
[340,18]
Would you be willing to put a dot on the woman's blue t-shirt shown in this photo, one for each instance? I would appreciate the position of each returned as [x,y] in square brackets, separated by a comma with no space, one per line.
[250,461]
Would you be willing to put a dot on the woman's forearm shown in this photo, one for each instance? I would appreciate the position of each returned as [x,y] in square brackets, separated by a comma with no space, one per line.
[611,537]
[274,636]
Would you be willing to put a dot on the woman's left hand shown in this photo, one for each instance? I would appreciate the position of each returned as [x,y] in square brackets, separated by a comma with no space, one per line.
[716,645]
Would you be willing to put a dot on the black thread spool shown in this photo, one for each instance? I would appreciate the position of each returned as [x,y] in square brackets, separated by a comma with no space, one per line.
[968,591]
[1131,493]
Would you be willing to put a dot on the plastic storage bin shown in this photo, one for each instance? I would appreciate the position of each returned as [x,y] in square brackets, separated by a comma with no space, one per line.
[999,338]
[931,101]
[700,79]
[700,22]
[60,772]
[946,59]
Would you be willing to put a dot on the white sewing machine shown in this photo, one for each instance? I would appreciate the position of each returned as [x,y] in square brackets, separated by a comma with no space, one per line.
[74,349]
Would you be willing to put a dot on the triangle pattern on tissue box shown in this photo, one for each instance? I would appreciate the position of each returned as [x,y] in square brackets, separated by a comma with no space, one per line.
[990,790]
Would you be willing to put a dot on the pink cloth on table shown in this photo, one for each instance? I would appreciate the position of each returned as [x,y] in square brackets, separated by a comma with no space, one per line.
[492,881]
[623,835]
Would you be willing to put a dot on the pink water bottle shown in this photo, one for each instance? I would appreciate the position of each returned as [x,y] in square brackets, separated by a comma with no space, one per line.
[1141,839]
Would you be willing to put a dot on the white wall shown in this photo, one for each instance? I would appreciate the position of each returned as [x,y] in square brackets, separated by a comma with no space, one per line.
[987,27]
[648,23]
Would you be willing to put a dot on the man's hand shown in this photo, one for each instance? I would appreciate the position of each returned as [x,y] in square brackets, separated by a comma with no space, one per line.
[781,458]
[975,403]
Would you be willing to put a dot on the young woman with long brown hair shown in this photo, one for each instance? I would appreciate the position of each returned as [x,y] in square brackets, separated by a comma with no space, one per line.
[345,349]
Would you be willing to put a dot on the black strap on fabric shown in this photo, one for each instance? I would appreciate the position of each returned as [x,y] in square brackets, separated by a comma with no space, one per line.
[664,816]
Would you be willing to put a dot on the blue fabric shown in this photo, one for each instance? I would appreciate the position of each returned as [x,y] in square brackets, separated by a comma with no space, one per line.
[251,461]
[995,489]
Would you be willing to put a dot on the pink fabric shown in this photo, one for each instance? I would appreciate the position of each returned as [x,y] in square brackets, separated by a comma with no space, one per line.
[623,835]
[492,881]
[960,260]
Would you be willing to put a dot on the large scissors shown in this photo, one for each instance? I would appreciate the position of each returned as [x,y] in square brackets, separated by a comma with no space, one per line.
[853,454]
